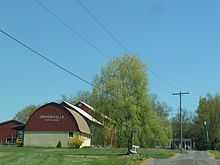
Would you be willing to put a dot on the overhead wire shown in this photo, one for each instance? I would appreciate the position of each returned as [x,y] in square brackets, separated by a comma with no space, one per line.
[103,26]
[59,66]
[69,28]
[47,59]
[54,63]
[110,33]
[113,37]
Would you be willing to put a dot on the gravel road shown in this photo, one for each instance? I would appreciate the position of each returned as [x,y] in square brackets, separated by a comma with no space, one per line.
[190,158]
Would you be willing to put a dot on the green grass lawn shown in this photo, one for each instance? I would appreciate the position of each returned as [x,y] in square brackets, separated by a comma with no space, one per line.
[51,156]
[215,154]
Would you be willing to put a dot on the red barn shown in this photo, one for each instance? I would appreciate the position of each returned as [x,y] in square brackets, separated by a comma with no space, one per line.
[54,122]
[9,131]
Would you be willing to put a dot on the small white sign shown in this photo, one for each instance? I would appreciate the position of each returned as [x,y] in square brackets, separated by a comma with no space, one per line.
[52,117]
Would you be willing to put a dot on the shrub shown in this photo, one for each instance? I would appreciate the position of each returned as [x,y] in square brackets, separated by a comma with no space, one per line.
[75,142]
[59,144]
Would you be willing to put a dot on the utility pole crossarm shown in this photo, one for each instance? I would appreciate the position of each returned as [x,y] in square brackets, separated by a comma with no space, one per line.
[181,93]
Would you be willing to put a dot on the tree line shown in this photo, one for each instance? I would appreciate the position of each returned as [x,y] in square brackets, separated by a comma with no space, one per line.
[203,127]
[121,92]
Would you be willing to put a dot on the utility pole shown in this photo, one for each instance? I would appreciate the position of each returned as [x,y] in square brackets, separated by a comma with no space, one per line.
[181,121]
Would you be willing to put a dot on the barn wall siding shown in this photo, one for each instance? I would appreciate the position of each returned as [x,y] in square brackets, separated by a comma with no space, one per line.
[7,130]
[46,139]
[50,139]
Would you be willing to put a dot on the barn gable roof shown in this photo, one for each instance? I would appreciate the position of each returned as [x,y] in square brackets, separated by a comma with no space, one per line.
[82,124]
[12,121]
[87,105]
[82,112]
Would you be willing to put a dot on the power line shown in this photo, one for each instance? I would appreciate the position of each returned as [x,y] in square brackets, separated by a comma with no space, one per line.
[69,28]
[44,57]
[112,36]
[37,53]
[95,19]
[110,33]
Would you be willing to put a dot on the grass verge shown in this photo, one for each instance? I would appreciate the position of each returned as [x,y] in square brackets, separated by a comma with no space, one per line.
[88,156]
[214,154]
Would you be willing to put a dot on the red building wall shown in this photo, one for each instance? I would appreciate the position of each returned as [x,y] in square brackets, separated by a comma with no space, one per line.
[51,117]
[7,130]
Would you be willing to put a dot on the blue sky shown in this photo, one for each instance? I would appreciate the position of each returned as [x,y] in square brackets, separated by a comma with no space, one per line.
[178,40]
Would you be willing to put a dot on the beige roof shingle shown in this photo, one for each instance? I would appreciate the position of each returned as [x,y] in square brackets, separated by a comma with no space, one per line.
[83,113]
[81,122]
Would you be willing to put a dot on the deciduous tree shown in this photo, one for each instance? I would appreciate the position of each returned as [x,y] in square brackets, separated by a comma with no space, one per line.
[25,113]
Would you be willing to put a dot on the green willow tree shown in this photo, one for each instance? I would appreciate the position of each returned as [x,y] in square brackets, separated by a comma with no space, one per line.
[84,96]
[121,92]
[161,112]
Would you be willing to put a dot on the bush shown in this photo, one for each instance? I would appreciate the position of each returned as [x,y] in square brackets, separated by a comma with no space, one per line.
[75,142]
[59,144]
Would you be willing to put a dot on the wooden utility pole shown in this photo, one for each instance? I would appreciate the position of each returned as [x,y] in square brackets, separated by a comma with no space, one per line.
[181,121]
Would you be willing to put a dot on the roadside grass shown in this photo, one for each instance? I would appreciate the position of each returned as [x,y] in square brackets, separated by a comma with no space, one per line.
[214,154]
[158,153]
[86,156]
